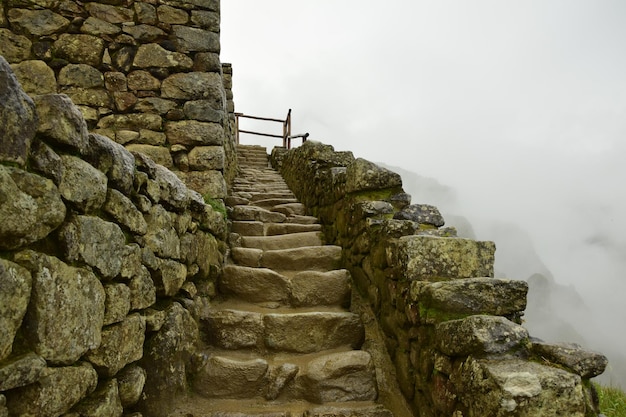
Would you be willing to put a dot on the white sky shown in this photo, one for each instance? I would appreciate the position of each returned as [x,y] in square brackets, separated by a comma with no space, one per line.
[520,106]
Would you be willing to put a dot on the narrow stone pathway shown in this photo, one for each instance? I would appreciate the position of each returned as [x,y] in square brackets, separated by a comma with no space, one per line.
[281,340]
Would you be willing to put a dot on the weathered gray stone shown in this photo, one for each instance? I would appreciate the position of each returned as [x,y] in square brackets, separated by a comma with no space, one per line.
[108,13]
[312,332]
[502,388]
[14,48]
[172,15]
[45,161]
[115,81]
[15,287]
[36,77]
[208,183]
[583,362]
[54,393]
[142,290]
[477,335]
[153,55]
[312,288]
[114,160]
[95,97]
[122,344]
[254,284]
[31,209]
[144,33]
[433,259]
[233,329]
[66,310]
[253,213]
[212,5]
[190,39]
[225,377]
[117,303]
[82,186]
[202,158]
[143,80]
[446,300]
[79,49]
[133,121]
[195,86]
[61,122]
[207,62]
[278,377]
[191,132]
[363,175]
[165,359]
[201,249]
[158,154]
[104,402]
[206,20]
[21,370]
[130,382]
[154,105]
[98,243]
[204,110]
[81,75]
[169,277]
[315,258]
[18,118]
[122,209]
[344,376]
[146,13]
[161,237]
[37,22]
[421,213]
[99,27]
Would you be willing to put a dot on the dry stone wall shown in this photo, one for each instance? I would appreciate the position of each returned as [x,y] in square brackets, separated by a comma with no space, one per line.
[106,261]
[452,331]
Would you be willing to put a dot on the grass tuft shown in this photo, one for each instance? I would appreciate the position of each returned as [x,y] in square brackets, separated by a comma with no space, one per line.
[612,401]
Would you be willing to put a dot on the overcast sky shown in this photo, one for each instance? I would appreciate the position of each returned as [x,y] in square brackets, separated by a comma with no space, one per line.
[520,106]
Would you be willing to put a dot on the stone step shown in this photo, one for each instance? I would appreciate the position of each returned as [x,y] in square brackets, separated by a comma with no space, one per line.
[290,209]
[265,196]
[304,289]
[309,258]
[255,213]
[258,228]
[250,327]
[329,377]
[301,219]
[292,240]
[271,202]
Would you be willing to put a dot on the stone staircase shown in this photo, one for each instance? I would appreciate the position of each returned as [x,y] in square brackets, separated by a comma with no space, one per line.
[281,340]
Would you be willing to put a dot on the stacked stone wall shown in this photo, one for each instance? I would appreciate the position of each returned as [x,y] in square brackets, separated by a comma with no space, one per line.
[452,331]
[106,261]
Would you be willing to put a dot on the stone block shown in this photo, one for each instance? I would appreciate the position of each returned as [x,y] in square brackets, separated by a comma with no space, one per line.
[142,290]
[203,158]
[122,209]
[142,80]
[98,27]
[204,111]
[207,183]
[169,277]
[36,77]
[254,284]
[172,15]
[161,238]
[585,363]
[117,303]
[105,401]
[363,175]
[312,288]
[79,49]
[114,160]
[130,382]
[225,377]
[233,329]
[189,39]
[153,55]
[158,154]
[144,33]
[81,75]
[110,13]
[195,86]
[15,287]
[21,370]
[13,47]
[82,186]
[61,122]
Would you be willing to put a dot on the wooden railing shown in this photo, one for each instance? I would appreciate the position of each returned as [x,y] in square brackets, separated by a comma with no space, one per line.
[286,136]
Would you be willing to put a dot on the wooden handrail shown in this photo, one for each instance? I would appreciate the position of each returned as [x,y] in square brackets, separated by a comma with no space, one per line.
[286,136]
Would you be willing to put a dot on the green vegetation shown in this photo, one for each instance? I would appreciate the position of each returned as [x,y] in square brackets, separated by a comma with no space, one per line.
[216,204]
[612,401]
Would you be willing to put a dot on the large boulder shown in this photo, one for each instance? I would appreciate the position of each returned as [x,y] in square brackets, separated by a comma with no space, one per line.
[363,175]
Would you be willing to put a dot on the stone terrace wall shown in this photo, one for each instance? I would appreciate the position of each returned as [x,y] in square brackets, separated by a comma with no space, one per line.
[106,259]
[147,74]
[452,331]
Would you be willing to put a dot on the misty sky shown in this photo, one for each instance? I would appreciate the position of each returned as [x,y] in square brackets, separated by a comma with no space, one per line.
[519,106]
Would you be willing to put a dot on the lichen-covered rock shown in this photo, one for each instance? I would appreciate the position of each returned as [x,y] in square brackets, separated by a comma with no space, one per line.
[153,55]
[190,39]
[14,48]
[122,344]
[99,27]
[96,242]
[204,110]
[122,209]
[66,310]
[81,75]
[79,49]
[61,122]
[114,160]
[35,77]
[161,237]
[82,186]
[30,210]
[54,393]
[109,13]
[18,118]
[433,259]
[15,287]
[232,378]
[165,361]
[363,175]
[132,121]
[37,22]
[507,387]
[117,303]
[104,402]
[21,370]
[142,290]
[585,363]
[169,277]
[421,213]
[477,335]
[144,33]
[194,133]
[208,183]
[130,382]
[172,15]
[195,86]
[158,154]
[202,158]
[446,300]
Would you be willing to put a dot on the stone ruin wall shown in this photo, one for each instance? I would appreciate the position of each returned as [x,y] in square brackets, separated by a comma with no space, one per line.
[106,257]
[452,331]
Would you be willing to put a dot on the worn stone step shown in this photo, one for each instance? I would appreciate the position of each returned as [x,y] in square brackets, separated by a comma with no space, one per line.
[304,289]
[310,258]
[334,377]
[292,240]
[290,209]
[271,202]
[285,228]
[301,219]
[282,331]
[257,214]
[265,196]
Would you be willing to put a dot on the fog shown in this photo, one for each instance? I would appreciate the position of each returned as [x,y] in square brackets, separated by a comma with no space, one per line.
[508,116]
